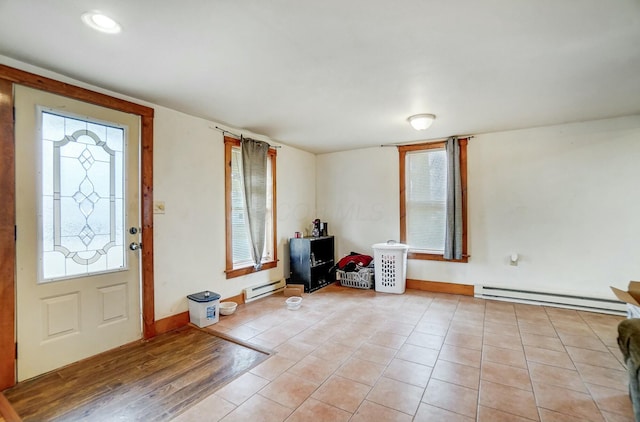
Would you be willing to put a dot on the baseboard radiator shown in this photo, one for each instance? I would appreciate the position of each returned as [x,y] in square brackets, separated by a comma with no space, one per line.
[264,289]
[609,306]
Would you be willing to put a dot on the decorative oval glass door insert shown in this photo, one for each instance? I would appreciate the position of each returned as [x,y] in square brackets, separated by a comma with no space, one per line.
[82,216]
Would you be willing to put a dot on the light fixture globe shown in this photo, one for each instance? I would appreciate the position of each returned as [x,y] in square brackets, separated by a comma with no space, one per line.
[421,121]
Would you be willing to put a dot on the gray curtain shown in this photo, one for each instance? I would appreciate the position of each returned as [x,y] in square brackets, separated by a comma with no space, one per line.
[453,233]
[254,173]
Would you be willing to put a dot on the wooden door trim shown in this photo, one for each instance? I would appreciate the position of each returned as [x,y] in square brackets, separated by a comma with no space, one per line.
[8,77]
[7,238]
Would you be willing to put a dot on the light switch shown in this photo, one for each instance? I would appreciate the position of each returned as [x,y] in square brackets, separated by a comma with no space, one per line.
[514,259]
[158,207]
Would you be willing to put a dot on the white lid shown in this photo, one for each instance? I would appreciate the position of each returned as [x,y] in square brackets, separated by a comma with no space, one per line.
[391,245]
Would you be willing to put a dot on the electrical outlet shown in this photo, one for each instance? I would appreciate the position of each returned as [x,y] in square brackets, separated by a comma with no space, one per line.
[158,207]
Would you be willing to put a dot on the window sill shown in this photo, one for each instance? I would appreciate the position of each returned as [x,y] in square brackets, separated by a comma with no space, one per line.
[435,257]
[238,272]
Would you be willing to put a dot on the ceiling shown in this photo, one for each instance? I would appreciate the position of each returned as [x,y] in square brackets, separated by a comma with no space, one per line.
[343,74]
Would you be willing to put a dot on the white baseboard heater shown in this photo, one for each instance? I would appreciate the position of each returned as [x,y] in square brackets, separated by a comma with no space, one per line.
[609,306]
[264,289]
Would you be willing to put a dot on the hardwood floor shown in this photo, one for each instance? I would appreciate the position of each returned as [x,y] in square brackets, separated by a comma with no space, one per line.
[154,380]
[7,413]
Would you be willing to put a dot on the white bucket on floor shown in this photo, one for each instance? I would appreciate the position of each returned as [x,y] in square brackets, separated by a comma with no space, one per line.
[204,308]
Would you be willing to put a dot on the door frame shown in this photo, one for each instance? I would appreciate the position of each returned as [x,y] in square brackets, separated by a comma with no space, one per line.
[8,77]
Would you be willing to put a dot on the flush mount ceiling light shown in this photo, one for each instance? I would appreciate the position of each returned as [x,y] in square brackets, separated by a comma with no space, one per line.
[421,121]
[101,22]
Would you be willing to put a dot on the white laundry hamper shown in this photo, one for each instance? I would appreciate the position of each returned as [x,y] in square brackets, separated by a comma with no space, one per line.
[390,262]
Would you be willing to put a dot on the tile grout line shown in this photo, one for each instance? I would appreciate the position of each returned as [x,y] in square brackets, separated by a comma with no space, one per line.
[451,320]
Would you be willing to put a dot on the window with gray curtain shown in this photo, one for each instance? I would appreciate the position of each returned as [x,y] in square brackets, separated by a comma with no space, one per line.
[433,199]
[254,158]
[239,246]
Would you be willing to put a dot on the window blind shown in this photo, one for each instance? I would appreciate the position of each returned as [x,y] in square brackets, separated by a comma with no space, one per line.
[426,184]
[239,226]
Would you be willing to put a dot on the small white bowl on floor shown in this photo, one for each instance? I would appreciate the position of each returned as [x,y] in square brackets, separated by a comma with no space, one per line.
[227,308]
[293,302]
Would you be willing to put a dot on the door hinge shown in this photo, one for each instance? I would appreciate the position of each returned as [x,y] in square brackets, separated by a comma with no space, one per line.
[15,233]
[14,114]
[16,350]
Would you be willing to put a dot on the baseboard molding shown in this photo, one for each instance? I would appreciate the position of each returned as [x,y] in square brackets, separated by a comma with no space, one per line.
[7,411]
[172,322]
[239,299]
[440,287]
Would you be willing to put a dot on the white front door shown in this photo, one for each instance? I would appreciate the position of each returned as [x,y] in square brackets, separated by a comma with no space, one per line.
[77,213]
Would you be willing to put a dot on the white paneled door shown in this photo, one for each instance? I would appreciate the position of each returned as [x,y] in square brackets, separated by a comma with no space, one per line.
[77,218]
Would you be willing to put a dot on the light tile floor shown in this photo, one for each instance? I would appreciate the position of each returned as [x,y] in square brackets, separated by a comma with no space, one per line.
[357,355]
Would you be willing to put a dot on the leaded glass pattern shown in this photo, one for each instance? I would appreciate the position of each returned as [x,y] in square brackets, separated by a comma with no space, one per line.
[82,197]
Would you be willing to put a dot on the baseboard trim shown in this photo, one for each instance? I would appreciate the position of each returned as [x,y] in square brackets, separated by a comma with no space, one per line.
[172,322]
[441,287]
[239,299]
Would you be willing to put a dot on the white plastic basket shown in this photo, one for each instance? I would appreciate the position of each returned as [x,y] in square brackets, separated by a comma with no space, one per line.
[390,262]
[633,311]
[362,279]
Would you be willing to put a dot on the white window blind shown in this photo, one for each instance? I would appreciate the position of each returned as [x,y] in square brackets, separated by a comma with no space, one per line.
[239,226]
[426,190]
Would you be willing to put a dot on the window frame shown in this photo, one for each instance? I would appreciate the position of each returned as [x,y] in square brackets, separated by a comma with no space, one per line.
[230,271]
[403,150]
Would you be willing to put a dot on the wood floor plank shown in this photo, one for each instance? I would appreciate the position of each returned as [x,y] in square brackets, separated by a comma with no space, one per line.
[138,364]
[131,384]
[151,380]
[136,389]
[178,384]
[7,412]
[195,385]
[84,371]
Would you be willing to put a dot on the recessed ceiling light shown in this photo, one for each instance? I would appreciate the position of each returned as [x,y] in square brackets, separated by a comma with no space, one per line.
[101,22]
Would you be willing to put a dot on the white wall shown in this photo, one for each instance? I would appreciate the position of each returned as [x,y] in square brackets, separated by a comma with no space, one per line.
[566,198]
[189,239]
[358,196]
[189,250]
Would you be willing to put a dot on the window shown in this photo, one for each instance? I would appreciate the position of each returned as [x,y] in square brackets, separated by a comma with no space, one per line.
[82,208]
[238,260]
[423,195]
